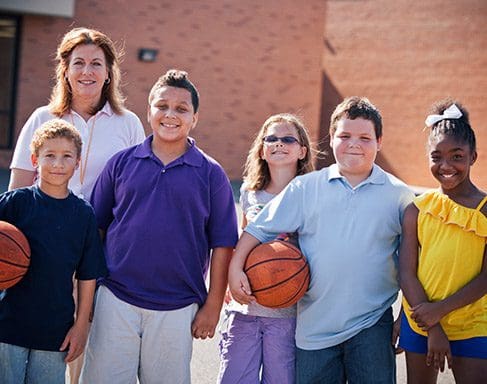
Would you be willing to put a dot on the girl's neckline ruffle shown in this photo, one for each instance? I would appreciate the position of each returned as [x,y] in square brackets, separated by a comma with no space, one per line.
[448,211]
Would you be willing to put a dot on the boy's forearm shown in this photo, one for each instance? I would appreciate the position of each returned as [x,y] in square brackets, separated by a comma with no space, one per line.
[86,291]
[244,246]
[220,260]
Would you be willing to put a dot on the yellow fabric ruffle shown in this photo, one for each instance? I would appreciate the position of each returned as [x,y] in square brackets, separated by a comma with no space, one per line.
[448,211]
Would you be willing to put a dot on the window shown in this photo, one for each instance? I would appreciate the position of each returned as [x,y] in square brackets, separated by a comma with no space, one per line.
[9,42]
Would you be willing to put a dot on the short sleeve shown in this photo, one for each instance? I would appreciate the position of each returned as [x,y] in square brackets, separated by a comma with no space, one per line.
[136,129]
[92,264]
[103,195]
[21,156]
[222,225]
[283,214]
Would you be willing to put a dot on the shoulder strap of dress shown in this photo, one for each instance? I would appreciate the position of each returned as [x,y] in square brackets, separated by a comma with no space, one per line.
[482,203]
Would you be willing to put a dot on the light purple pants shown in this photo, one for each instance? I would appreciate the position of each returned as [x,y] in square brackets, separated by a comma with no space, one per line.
[251,343]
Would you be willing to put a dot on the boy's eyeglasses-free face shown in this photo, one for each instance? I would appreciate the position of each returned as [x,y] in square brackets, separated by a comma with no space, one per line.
[271,139]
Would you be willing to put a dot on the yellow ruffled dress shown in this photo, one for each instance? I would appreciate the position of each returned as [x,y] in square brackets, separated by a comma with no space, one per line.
[452,239]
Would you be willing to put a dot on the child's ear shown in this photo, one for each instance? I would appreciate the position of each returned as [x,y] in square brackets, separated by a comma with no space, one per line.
[474,158]
[33,160]
[379,144]
[77,162]
[148,114]
[195,120]
[302,155]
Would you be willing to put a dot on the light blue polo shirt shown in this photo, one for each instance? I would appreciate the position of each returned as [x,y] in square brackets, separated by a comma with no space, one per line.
[350,237]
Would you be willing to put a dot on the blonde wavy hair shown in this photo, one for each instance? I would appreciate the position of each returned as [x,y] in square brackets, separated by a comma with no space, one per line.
[256,171]
[53,129]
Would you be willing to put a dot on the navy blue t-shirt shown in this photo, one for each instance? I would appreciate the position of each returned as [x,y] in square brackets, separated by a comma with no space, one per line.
[38,311]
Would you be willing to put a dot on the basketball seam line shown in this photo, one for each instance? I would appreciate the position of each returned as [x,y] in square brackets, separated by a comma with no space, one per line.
[17,243]
[14,264]
[306,279]
[282,281]
[12,278]
[268,260]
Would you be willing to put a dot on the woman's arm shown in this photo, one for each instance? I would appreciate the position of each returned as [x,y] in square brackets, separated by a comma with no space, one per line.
[21,178]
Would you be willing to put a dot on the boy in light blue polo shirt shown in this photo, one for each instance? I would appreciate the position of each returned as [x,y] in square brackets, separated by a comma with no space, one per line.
[348,217]
[168,214]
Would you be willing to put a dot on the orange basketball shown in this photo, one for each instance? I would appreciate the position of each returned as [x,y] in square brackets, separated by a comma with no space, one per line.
[14,255]
[278,274]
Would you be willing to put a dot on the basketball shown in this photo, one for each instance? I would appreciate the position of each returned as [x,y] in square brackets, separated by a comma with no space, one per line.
[14,255]
[278,274]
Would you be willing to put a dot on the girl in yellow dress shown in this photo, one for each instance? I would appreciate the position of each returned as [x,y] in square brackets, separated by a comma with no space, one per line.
[443,268]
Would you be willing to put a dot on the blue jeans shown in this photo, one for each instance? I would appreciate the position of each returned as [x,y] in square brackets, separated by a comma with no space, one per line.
[366,358]
[19,365]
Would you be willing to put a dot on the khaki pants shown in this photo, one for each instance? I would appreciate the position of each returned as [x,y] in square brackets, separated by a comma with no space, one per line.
[127,342]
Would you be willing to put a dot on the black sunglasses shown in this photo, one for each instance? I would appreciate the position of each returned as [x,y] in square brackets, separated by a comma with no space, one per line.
[285,139]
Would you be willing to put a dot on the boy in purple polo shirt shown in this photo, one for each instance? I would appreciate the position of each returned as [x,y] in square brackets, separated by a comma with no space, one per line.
[167,210]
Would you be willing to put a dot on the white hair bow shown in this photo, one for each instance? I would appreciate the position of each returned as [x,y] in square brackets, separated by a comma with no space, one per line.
[452,112]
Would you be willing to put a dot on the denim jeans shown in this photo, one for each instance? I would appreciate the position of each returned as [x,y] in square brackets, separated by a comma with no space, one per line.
[19,365]
[368,357]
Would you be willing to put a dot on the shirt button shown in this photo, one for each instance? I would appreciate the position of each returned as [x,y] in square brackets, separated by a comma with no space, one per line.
[163,171]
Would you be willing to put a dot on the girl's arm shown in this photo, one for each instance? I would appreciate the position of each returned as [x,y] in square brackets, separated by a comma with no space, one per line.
[411,287]
[207,317]
[76,337]
[228,295]
[237,279]
[413,291]
[428,314]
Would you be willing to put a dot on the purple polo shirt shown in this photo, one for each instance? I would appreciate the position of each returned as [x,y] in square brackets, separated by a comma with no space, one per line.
[161,222]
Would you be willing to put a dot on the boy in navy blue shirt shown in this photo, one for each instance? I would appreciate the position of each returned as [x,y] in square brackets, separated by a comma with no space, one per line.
[38,332]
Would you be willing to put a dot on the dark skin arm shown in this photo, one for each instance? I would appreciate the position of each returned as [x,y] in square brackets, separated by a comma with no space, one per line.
[438,345]
[427,315]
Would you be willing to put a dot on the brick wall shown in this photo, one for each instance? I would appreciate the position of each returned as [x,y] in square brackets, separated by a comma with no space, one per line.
[255,58]
[404,55]
[248,59]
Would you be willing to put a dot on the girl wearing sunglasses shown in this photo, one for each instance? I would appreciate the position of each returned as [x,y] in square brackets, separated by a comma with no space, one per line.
[254,337]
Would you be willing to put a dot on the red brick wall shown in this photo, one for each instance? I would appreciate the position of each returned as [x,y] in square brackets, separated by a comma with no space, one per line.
[252,59]
[248,59]
[404,55]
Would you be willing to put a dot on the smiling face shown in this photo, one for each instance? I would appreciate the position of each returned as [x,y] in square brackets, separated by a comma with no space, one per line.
[56,161]
[355,147]
[278,153]
[87,72]
[171,116]
[450,160]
